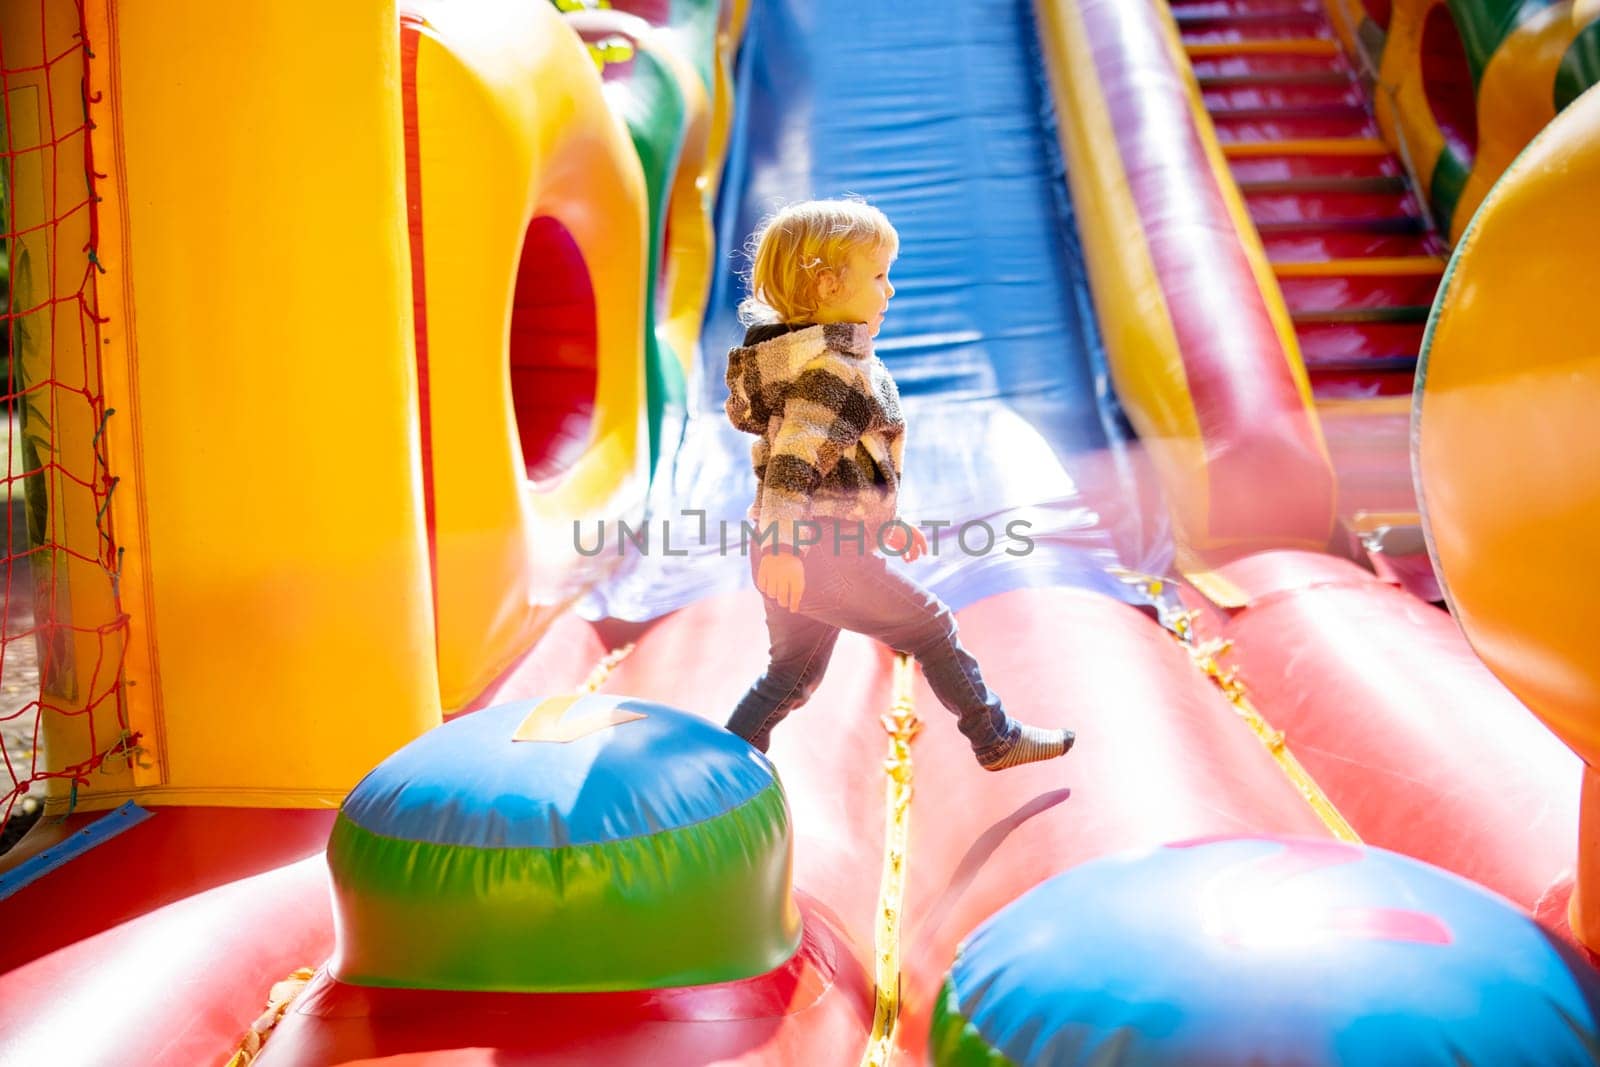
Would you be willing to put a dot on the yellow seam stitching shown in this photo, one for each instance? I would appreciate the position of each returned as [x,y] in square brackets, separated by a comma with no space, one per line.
[902,725]
[603,669]
[1206,656]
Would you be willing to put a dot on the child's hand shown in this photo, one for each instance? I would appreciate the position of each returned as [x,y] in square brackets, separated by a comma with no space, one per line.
[783,578]
[897,540]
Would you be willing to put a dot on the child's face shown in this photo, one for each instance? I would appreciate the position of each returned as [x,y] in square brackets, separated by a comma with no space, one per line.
[860,292]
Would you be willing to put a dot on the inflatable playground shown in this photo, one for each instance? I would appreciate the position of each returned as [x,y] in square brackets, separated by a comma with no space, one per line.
[372,611]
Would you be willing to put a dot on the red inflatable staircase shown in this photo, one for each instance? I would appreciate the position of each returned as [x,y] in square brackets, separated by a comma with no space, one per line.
[1347,234]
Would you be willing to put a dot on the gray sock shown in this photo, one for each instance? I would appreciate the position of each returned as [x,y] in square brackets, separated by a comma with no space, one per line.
[1031,746]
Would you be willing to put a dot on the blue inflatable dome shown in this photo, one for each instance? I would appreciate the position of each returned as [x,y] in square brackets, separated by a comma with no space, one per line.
[1264,951]
[573,843]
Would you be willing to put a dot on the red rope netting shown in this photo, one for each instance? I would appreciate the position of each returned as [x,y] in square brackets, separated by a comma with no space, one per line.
[61,649]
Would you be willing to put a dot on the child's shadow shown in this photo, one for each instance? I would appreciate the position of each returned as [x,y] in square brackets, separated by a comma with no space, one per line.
[976,856]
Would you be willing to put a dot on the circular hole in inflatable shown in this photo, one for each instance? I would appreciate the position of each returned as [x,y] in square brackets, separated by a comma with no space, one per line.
[553,338]
[1447,82]
[1378,11]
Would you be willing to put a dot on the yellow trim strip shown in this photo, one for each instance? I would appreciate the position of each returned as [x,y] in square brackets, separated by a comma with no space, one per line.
[1207,582]
[1343,21]
[1371,521]
[1309,146]
[1276,744]
[1287,46]
[1206,656]
[1362,266]
[602,670]
[1341,408]
[1212,585]
[279,999]
[216,796]
[902,724]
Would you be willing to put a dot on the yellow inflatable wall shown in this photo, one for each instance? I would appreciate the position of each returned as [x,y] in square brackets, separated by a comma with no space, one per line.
[274,571]
[329,530]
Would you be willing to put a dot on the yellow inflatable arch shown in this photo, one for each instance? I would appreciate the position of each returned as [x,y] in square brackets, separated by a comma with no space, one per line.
[529,231]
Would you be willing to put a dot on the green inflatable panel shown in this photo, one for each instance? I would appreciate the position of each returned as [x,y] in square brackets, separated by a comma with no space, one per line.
[642,91]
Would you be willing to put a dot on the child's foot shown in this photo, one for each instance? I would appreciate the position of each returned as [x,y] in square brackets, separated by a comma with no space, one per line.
[1031,746]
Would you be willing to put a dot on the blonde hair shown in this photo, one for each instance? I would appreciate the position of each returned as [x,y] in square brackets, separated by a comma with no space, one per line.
[791,249]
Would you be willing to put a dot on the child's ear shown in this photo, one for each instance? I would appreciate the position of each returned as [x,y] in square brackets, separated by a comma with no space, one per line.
[827,284]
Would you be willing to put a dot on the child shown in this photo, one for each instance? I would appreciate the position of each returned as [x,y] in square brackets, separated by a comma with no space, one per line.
[828,458]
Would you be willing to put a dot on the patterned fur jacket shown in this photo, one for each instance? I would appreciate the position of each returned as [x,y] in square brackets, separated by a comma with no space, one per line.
[827,416]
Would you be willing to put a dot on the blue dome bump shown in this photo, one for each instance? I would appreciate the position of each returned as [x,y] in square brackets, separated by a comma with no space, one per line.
[1264,950]
[618,844]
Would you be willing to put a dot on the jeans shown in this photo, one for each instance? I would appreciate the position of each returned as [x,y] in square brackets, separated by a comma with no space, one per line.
[857,591]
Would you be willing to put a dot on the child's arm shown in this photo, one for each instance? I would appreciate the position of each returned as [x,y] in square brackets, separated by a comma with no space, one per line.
[903,539]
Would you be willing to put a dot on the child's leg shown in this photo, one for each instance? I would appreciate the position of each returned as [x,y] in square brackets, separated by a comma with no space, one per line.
[871,599]
[801,647]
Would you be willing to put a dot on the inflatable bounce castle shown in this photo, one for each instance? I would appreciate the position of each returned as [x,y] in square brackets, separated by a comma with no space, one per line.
[372,611]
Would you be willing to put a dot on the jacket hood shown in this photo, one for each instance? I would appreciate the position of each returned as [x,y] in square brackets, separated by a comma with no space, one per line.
[761,371]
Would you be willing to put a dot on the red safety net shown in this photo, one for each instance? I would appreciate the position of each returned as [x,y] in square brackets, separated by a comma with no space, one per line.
[61,649]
